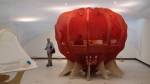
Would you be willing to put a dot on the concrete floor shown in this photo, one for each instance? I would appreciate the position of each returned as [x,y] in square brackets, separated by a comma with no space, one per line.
[135,73]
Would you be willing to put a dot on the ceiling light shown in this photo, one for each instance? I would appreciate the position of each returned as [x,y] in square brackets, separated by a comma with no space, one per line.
[87,5]
[118,10]
[67,8]
[115,3]
[66,4]
[129,4]
[27,19]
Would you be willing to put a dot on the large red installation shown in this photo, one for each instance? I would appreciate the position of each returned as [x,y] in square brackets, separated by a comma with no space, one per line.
[90,35]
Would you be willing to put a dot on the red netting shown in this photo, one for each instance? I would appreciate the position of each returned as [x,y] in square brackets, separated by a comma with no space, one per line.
[93,34]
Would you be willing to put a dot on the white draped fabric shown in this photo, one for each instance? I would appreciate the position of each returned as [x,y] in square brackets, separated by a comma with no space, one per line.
[12,55]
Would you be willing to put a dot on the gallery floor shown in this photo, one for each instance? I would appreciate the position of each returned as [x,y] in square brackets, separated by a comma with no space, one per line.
[135,73]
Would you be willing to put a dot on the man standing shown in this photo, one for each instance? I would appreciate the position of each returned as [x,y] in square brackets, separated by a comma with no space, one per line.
[50,50]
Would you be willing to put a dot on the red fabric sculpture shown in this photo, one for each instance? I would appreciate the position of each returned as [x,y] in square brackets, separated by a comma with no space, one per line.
[90,35]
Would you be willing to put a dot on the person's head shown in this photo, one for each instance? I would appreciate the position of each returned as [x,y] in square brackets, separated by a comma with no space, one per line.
[48,39]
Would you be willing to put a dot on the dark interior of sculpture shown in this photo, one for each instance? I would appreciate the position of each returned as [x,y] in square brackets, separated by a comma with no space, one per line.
[90,39]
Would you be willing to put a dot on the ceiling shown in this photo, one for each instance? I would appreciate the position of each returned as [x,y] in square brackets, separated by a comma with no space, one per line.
[30,18]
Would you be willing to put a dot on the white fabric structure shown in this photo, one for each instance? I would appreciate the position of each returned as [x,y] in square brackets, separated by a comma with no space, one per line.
[12,55]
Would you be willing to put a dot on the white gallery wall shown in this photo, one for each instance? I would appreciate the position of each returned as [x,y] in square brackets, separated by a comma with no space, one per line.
[33,38]
[36,46]
[145,43]
[32,35]
[137,45]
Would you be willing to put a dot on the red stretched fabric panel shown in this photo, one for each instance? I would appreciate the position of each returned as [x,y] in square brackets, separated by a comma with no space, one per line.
[92,34]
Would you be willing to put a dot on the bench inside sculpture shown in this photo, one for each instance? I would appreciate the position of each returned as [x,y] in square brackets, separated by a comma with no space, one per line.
[90,39]
[13,58]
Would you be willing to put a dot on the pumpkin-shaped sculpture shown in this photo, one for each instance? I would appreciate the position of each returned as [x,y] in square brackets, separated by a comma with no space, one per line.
[89,36]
